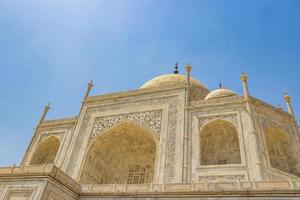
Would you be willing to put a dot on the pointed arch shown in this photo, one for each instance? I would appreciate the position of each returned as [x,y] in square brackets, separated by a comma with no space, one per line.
[280,149]
[46,151]
[125,153]
[219,143]
[124,122]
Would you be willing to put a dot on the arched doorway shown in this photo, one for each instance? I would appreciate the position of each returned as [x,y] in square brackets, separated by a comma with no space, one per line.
[219,144]
[46,151]
[124,154]
[280,149]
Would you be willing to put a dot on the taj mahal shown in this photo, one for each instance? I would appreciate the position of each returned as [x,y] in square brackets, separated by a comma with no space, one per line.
[172,138]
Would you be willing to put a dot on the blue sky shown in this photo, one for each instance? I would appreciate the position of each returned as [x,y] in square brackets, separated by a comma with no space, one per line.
[51,49]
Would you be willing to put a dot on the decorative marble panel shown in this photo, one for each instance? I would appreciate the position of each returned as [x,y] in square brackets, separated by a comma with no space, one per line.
[228,117]
[19,194]
[225,178]
[266,123]
[171,141]
[217,100]
[152,119]
[45,135]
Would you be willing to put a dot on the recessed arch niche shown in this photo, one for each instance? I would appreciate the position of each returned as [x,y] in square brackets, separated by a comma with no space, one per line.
[219,143]
[280,149]
[46,151]
[125,153]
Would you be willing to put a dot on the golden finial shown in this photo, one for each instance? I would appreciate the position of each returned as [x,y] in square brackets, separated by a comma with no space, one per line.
[287,97]
[188,67]
[90,85]
[176,68]
[244,76]
[46,109]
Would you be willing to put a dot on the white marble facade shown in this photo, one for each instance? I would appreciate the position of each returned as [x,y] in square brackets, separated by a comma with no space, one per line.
[202,141]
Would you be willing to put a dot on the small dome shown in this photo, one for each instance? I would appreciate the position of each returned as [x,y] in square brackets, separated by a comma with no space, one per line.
[198,90]
[219,93]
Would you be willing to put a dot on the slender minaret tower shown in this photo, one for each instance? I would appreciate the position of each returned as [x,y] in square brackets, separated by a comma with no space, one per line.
[256,157]
[87,93]
[186,139]
[244,79]
[287,100]
[46,109]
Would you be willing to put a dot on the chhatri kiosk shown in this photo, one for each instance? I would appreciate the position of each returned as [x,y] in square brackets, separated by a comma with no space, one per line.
[172,138]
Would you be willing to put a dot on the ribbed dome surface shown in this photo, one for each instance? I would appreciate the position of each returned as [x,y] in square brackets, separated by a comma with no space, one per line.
[198,90]
[219,93]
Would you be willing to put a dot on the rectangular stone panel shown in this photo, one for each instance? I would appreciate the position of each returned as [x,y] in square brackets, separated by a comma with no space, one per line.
[19,195]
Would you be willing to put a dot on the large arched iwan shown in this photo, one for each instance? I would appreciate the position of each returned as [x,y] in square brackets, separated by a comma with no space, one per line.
[280,150]
[46,151]
[124,154]
[219,143]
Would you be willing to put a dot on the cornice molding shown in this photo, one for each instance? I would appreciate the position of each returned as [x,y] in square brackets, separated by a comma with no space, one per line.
[258,102]
[56,122]
[38,171]
[131,93]
[217,101]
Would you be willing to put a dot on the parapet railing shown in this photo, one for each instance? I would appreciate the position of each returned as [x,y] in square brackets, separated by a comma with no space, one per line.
[27,169]
[37,171]
[51,170]
[280,185]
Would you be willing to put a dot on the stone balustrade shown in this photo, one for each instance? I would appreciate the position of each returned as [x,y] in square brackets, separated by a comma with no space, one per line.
[50,170]
[281,185]
[46,170]
[29,169]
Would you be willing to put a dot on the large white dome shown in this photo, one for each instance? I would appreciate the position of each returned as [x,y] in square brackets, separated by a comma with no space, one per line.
[219,93]
[198,90]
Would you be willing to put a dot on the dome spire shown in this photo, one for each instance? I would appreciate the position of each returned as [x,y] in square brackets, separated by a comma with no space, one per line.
[220,84]
[176,68]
